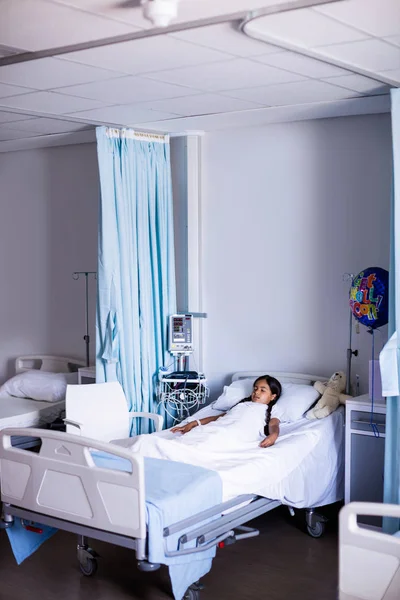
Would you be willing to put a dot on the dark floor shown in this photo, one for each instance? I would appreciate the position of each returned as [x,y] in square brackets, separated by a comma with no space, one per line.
[282,563]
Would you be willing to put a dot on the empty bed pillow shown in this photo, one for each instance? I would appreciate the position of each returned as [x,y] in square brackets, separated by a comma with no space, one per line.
[39,385]
[294,401]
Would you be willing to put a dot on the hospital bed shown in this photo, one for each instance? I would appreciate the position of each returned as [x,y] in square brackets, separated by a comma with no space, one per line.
[63,487]
[24,411]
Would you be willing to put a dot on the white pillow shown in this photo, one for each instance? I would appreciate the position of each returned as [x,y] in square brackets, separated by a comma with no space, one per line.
[294,401]
[233,393]
[39,385]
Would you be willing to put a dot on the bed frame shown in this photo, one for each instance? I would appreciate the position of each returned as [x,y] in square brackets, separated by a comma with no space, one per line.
[283,377]
[46,362]
[63,488]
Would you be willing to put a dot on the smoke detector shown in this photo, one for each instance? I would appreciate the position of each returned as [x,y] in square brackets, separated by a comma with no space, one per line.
[160,12]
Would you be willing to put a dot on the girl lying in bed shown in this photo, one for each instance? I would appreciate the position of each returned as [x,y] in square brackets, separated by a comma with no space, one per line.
[210,440]
[266,392]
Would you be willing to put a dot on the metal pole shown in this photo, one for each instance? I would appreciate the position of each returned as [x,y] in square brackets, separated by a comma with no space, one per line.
[181,362]
[86,337]
[350,352]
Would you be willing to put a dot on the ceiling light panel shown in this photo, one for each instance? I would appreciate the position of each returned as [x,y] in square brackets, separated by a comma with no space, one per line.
[232,74]
[38,24]
[147,55]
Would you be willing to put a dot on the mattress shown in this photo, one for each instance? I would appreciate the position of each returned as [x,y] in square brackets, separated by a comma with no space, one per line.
[304,469]
[22,412]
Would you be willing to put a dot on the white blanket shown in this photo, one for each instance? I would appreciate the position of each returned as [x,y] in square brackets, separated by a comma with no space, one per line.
[230,446]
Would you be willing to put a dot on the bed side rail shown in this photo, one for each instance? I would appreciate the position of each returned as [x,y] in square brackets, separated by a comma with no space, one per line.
[369,561]
[63,481]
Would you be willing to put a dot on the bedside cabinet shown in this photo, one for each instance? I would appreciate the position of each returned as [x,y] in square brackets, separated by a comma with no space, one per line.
[365,453]
[87,375]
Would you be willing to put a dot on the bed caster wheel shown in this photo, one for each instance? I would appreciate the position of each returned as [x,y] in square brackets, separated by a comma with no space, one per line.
[317,529]
[193,592]
[88,567]
[87,559]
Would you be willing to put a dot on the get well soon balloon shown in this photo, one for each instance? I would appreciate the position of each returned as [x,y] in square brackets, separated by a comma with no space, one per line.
[369,297]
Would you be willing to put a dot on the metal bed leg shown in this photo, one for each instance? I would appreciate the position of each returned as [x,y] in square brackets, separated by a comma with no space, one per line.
[6,520]
[87,557]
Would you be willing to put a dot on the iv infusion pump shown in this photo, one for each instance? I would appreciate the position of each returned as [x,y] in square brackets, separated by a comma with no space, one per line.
[181,334]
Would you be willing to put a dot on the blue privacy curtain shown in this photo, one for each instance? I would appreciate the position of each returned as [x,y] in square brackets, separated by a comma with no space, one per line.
[392,442]
[136,269]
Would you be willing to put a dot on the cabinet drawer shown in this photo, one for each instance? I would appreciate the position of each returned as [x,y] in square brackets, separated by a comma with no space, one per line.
[360,421]
[367,468]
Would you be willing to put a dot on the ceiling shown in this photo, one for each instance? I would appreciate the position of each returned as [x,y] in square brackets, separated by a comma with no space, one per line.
[332,59]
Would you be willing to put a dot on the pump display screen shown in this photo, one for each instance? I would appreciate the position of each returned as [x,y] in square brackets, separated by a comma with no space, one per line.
[178,329]
[180,338]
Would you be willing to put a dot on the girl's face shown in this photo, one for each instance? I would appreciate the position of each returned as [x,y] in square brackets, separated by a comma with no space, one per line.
[262,392]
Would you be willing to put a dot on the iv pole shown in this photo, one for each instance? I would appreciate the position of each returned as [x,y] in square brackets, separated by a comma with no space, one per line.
[350,352]
[86,337]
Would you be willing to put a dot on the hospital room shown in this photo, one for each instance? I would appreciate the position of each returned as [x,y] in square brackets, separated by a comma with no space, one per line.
[199,242]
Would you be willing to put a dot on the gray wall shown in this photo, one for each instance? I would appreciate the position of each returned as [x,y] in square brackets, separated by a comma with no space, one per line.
[48,229]
[287,210]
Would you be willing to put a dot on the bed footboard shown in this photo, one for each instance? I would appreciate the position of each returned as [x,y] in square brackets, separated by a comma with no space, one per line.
[62,481]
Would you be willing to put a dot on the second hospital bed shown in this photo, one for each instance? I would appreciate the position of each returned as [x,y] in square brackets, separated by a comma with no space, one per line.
[24,411]
[62,486]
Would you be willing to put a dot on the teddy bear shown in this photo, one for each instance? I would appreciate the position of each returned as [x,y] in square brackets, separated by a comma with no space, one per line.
[331,396]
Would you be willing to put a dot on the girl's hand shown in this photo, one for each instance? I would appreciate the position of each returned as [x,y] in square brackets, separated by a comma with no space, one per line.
[268,441]
[184,428]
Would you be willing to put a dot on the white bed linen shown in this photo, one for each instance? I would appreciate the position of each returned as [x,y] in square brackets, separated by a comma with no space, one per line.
[22,412]
[304,468]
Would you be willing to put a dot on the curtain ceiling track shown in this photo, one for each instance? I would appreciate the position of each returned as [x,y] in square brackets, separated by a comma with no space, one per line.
[114,132]
[119,39]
